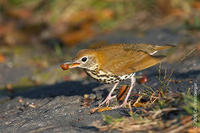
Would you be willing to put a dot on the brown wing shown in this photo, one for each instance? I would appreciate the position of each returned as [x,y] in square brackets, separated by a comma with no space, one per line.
[120,61]
[144,62]
[147,48]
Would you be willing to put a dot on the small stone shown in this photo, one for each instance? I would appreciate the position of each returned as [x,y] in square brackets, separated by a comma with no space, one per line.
[32,105]
[20,100]
[85,95]
[98,95]
[92,96]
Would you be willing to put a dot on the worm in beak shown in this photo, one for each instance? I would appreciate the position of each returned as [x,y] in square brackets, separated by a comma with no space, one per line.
[69,65]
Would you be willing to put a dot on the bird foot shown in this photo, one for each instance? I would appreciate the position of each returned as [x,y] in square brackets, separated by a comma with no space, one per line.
[107,100]
[120,106]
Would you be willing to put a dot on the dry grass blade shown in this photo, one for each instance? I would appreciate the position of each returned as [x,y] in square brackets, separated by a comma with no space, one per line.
[169,116]
[130,124]
[154,116]
[177,128]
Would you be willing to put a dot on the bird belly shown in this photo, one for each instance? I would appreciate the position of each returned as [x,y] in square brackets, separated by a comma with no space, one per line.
[108,78]
[126,76]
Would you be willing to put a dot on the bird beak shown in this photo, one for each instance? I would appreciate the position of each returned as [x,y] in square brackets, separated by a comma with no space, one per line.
[69,65]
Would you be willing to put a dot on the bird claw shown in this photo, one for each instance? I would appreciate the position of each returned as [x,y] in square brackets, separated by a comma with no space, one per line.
[120,106]
[104,102]
[107,101]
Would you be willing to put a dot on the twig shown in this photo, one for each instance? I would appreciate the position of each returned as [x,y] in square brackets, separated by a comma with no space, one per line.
[163,110]
[178,127]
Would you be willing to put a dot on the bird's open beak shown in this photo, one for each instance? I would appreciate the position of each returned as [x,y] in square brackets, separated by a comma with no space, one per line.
[69,65]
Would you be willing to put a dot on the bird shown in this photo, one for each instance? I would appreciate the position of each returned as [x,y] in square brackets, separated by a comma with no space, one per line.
[116,62]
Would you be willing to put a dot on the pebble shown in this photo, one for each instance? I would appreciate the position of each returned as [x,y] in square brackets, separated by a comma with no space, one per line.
[92,96]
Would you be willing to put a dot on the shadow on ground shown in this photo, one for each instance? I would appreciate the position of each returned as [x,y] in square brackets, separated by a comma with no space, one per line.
[73,88]
[79,88]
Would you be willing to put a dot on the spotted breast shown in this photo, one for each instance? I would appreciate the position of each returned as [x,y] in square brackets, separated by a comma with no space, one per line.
[108,78]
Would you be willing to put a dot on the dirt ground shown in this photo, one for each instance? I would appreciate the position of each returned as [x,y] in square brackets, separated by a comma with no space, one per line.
[58,107]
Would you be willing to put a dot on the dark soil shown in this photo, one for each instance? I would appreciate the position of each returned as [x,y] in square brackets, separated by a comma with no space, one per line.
[58,107]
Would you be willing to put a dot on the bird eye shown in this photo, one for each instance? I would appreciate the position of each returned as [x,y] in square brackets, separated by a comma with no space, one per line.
[84,59]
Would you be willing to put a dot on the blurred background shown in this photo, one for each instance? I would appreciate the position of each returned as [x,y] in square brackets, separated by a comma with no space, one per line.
[38,35]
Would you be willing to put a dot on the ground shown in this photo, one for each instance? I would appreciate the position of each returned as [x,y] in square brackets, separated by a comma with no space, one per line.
[57,106]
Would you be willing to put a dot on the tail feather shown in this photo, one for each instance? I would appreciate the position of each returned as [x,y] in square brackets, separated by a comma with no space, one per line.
[150,49]
[163,47]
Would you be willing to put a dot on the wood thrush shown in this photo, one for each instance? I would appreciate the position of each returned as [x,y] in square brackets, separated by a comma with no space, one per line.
[114,63]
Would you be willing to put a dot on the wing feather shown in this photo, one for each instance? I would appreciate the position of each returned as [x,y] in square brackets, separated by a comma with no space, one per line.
[125,60]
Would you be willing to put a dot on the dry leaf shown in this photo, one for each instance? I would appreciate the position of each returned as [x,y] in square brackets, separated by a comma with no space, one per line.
[75,37]
[196,4]
[9,88]
[140,104]
[20,100]
[185,119]
[93,110]
[2,58]
[20,13]
[122,92]
[100,109]
[107,14]
[177,12]
[194,130]
[104,109]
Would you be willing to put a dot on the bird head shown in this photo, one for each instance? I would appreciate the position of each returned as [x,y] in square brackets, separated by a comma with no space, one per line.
[84,59]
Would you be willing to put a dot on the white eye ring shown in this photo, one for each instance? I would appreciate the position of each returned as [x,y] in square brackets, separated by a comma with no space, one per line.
[84,59]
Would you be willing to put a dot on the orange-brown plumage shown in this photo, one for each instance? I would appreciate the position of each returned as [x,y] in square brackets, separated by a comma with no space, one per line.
[113,63]
[121,59]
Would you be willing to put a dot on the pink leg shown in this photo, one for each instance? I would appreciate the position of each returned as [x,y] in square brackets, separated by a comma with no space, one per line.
[128,94]
[109,97]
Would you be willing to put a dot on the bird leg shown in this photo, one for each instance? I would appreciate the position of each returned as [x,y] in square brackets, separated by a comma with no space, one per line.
[109,97]
[128,94]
